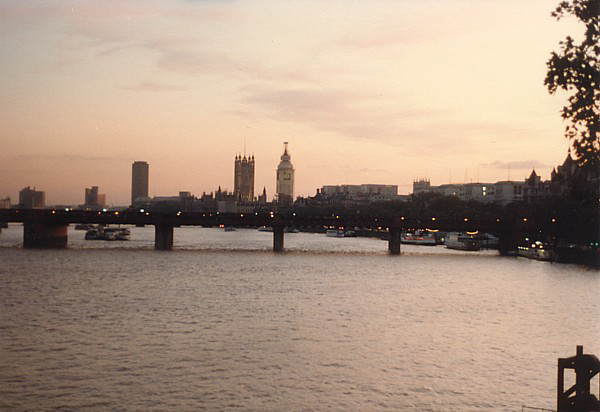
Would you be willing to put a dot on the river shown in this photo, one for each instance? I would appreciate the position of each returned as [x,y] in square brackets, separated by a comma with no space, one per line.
[223,323]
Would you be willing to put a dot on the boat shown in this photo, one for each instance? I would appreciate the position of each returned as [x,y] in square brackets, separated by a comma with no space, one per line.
[537,251]
[229,229]
[488,241]
[123,234]
[290,229]
[418,238]
[462,241]
[92,234]
[335,233]
[265,229]
[84,226]
[350,233]
[102,233]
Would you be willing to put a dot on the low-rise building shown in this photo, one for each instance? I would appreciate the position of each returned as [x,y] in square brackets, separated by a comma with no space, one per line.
[5,203]
[355,194]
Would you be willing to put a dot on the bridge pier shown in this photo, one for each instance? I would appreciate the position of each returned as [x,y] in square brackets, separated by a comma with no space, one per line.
[278,231]
[163,236]
[507,243]
[39,235]
[394,241]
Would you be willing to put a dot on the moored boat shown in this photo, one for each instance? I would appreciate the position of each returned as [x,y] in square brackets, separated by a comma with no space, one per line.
[462,241]
[418,238]
[537,250]
[107,233]
[335,233]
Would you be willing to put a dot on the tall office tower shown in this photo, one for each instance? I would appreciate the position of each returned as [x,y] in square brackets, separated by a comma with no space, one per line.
[285,178]
[93,198]
[243,182]
[139,180]
[32,199]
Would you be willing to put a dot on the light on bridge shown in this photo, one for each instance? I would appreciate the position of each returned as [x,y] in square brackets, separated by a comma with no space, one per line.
[142,210]
[104,210]
[116,213]
[179,213]
[553,220]
[433,218]
[54,211]
[524,219]
[466,219]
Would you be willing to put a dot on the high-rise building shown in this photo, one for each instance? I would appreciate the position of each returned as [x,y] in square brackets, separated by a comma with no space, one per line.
[139,181]
[93,198]
[32,199]
[285,178]
[243,183]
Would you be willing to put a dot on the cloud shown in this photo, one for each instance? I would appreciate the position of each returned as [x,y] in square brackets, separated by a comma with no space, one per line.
[68,158]
[364,116]
[152,87]
[517,165]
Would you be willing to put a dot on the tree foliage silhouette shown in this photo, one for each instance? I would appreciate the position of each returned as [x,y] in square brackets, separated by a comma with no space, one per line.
[575,70]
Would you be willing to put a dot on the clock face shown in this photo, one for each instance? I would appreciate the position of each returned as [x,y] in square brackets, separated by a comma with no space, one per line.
[287,176]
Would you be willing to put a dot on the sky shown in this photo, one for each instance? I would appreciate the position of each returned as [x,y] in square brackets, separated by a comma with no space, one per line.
[384,91]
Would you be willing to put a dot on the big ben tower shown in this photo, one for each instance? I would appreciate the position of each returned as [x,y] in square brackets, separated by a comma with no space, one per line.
[285,179]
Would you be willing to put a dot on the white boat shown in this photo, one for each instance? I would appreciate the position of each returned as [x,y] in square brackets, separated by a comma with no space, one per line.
[462,241]
[265,229]
[418,238]
[335,233]
[536,251]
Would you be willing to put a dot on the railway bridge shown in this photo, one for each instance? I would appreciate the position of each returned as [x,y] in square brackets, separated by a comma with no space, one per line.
[47,228]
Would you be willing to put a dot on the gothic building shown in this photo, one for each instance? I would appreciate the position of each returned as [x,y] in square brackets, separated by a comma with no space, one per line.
[285,178]
[243,183]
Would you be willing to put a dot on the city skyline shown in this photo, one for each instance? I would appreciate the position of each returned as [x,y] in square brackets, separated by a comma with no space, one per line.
[378,93]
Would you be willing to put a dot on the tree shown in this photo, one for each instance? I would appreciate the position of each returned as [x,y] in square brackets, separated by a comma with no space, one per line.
[575,70]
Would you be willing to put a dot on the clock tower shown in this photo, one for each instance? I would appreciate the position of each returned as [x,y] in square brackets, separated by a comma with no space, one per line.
[285,179]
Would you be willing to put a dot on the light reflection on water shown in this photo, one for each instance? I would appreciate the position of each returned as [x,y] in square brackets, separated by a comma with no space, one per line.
[223,323]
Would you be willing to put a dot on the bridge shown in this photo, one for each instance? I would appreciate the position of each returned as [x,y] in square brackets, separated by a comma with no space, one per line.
[47,228]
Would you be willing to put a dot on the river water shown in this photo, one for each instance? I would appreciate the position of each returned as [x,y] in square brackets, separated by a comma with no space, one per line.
[222,323]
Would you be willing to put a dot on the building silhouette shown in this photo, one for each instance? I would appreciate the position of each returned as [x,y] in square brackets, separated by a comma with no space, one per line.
[32,199]
[93,198]
[285,178]
[139,181]
[243,183]
[5,203]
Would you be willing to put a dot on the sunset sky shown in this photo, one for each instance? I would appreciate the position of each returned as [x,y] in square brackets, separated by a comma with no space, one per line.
[364,91]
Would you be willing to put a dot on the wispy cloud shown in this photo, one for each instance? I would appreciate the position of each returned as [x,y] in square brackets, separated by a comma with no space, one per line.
[363,116]
[517,165]
[152,87]
[68,158]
